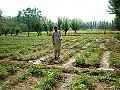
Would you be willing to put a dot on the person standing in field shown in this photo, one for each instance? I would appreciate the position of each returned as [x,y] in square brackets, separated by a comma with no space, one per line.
[56,37]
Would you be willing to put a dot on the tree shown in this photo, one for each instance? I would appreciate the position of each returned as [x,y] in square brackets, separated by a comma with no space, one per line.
[1,14]
[1,28]
[38,26]
[75,24]
[114,8]
[12,24]
[65,24]
[28,16]
[6,28]
[59,23]
[45,26]
[1,23]
[50,25]
[17,30]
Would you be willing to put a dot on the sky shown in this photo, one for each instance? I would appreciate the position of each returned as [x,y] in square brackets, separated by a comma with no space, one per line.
[87,10]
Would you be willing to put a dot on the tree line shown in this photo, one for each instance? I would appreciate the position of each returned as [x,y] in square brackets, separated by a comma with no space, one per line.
[31,20]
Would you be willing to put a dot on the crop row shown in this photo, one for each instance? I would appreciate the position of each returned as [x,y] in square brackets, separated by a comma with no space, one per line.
[50,77]
[90,56]
[89,80]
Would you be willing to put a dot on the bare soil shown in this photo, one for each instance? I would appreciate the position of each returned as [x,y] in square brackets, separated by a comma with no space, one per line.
[66,83]
[86,45]
[28,84]
[105,59]
[69,63]
[104,86]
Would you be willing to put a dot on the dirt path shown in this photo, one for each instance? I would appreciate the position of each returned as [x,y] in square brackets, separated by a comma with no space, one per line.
[105,59]
[40,60]
[104,86]
[86,45]
[66,83]
[69,63]
[28,84]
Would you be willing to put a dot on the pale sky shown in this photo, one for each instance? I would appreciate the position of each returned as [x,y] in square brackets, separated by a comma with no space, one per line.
[84,9]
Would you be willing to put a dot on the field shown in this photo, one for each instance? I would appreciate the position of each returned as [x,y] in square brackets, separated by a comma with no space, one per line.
[87,62]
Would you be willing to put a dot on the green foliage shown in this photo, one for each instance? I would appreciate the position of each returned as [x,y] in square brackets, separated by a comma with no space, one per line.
[91,54]
[89,79]
[17,30]
[49,76]
[84,81]
[6,51]
[70,53]
[114,8]
[59,23]
[80,60]
[65,24]
[33,47]
[30,17]
[47,82]
[116,84]
[4,86]
[0,14]
[117,23]
[45,25]
[75,24]
[66,56]
[51,25]
[115,59]
[7,68]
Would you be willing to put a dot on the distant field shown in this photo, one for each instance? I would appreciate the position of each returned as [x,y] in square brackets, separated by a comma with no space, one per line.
[72,32]
[89,32]
[96,32]
[20,54]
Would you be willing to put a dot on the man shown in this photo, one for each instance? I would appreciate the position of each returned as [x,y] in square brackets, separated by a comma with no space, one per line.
[56,37]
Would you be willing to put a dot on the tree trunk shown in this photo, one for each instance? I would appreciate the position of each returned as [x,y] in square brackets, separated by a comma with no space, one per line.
[28,30]
[65,33]
[75,32]
[47,33]
[38,33]
[59,27]
[5,34]
[104,31]
[28,34]
[91,28]
[11,33]
[16,33]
